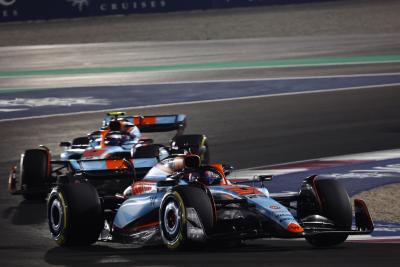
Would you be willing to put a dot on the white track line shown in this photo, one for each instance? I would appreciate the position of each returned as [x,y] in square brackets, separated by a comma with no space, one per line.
[218,81]
[249,173]
[367,156]
[207,101]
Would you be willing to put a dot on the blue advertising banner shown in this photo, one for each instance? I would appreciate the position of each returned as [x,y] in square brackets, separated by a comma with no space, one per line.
[15,10]
[22,10]
[243,3]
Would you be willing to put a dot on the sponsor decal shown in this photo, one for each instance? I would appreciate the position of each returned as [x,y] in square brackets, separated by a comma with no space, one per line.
[375,172]
[51,101]
[245,190]
[274,207]
[284,215]
[387,228]
[6,9]
[11,109]
[80,4]
[7,2]
[132,5]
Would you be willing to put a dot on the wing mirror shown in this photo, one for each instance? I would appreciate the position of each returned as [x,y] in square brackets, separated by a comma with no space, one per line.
[262,179]
[65,144]
[192,161]
[227,169]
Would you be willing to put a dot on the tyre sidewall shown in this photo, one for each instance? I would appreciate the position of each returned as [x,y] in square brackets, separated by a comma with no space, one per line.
[179,237]
[83,215]
[35,168]
[59,235]
[335,203]
[188,196]
[336,207]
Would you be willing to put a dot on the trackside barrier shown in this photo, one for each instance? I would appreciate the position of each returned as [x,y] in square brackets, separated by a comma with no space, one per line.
[16,10]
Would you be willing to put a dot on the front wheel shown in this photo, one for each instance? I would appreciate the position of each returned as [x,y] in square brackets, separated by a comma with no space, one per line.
[74,214]
[186,215]
[336,207]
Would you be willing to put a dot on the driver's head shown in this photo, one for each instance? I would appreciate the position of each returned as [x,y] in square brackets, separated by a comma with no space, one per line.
[209,177]
[125,126]
[205,177]
[113,139]
[114,125]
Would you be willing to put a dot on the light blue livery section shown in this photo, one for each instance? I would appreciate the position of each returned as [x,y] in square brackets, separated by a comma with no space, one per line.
[145,162]
[273,210]
[265,205]
[136,207]
[93,165]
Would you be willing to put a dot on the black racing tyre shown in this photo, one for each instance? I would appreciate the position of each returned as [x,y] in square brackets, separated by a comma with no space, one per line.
[74,214]
[173,214]
[35,166]
[336,207]
[196,143]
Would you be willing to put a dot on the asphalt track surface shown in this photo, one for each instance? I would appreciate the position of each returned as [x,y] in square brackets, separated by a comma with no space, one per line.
[245,133]
[280,129]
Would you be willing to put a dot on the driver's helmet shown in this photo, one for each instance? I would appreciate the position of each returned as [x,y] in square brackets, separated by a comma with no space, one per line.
[209,177]
[94,138]
[114,125]
[113,139]
[205,177]
[126,125]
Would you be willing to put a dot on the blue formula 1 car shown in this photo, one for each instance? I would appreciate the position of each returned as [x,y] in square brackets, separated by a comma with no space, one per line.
[181,202]
[107,143]
[107,158]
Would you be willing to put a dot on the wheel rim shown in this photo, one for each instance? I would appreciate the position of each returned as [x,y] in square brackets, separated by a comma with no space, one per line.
[171,218]
[56,215]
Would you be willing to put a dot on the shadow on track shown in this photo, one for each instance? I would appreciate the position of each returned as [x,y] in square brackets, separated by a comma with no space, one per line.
[158,255]
[26,213]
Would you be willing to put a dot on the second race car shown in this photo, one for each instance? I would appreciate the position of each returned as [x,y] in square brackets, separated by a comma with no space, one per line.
[109,158]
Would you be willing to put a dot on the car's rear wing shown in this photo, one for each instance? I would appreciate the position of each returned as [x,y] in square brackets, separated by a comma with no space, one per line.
[147,124]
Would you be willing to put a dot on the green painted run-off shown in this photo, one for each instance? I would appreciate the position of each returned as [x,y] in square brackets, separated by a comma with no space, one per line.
[212,65]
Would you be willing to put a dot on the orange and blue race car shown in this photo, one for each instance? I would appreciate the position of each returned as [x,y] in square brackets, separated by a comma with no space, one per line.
[106,156]
[181,202]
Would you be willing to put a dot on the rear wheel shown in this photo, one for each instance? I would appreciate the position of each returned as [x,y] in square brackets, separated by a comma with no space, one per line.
[75,216]
[35,166]
[336,207]
[177,214]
